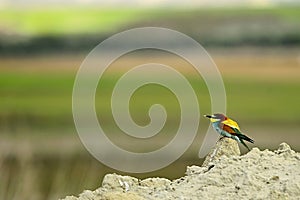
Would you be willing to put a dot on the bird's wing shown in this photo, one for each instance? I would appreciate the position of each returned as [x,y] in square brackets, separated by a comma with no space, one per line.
[229,129]
[232,124]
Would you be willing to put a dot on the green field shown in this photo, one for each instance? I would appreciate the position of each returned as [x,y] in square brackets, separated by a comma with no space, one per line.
[45,21]
[65,21]
[48,98]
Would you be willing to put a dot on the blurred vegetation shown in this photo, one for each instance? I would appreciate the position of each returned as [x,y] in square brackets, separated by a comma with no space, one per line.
[65,21]
[80,29]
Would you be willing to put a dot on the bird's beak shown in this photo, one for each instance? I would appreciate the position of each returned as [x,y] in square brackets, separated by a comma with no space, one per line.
[208,116]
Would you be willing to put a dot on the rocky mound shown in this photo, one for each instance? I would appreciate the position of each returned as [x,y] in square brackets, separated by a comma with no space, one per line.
[255,175]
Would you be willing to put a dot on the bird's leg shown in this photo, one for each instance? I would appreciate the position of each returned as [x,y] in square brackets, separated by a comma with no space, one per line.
[221,138]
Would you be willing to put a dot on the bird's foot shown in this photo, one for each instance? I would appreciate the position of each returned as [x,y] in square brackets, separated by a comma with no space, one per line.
[221,138]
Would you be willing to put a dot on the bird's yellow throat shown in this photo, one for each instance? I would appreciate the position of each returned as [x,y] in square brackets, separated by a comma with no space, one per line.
[214,120]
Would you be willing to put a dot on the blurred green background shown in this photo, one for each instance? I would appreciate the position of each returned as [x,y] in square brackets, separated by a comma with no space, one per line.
[256,48]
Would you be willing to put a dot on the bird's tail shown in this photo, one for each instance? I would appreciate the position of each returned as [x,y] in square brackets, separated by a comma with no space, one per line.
[244,137]
[242,141]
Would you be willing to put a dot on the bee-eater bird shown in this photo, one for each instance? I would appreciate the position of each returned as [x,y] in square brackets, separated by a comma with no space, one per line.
[228,128]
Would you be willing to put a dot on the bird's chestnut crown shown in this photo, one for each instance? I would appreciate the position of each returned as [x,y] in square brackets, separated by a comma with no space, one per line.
[216,117]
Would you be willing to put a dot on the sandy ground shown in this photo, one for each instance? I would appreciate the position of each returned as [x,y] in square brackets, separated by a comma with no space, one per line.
[255,175]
